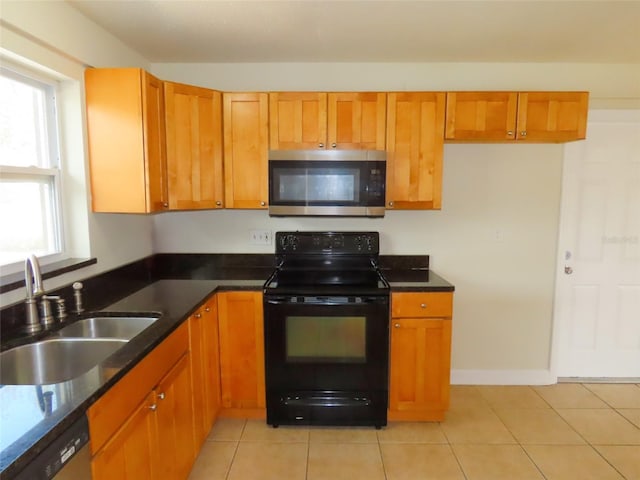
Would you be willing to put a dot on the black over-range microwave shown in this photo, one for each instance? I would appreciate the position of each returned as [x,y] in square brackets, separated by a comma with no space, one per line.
[327,182]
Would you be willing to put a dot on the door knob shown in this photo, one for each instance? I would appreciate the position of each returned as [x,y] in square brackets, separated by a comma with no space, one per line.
[568,270]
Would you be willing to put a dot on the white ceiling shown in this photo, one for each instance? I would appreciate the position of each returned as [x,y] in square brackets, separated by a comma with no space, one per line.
[373,31]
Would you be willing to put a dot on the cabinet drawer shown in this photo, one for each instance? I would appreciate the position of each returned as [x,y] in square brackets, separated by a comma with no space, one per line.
[114,407]
[422,304]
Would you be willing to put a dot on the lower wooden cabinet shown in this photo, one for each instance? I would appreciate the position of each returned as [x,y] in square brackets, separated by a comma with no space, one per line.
[131,452]
[205,367]
[143,426]
[420,357]
[241,353]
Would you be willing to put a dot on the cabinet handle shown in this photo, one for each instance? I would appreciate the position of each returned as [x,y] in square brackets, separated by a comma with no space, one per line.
[165,205]
[153,407]
[207,309]
[423,305]
[161,396]
[391,204]
[262,204]
[333,145]
[218,203]
[523,133]
[198,315]
[321,145]
[510,133]
[396,325]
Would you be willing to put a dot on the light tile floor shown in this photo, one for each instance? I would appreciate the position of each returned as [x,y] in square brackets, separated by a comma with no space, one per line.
[568,431]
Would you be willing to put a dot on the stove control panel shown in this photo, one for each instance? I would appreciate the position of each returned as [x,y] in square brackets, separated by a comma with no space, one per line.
[328,243]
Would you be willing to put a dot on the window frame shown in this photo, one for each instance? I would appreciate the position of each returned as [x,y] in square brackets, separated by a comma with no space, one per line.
[49,85]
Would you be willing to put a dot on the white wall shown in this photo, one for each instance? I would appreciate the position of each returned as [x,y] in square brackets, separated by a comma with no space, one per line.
[54,36]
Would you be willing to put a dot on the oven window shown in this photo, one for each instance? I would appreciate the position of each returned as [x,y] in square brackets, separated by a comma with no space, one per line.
[326,339]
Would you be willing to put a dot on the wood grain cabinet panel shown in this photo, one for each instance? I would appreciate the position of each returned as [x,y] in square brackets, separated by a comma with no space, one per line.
[420,357]
[550,117]
[143,427]
[481,115]
[126,137]
[415,143]
[297,120]
[356,120]
[131,453]
[241,353]
[175,417]
[246,147]
[203,337]
[193,120]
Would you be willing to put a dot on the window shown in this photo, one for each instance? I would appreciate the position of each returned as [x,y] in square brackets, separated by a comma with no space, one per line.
[30,212]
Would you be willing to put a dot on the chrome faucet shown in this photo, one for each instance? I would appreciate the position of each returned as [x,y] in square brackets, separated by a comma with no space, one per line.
[33,283]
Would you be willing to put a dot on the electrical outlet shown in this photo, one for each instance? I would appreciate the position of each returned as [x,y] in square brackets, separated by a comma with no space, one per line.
[260,237]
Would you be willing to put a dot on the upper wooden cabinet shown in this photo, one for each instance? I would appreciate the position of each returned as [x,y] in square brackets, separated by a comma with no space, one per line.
[309,120]
[126,135]
[246,147]
[297,120]
[356,120]
[415,142]
[193,118]
[525,116]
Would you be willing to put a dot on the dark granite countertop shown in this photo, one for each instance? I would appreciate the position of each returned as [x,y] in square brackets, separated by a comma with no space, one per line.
[25,430]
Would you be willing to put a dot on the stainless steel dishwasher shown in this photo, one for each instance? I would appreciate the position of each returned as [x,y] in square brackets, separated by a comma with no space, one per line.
[66,458]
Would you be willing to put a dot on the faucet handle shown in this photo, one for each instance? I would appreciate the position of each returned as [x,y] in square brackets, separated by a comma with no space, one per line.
[77,295]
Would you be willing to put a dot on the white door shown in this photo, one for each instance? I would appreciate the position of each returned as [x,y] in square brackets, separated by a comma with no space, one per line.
[597,306]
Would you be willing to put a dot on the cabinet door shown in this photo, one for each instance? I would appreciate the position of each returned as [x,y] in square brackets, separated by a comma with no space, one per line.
[125,129]
[131,453]
[155,143]
[481,115]
[211,362]
[415,131]
[203,335]
[174,414]
[246,147]
[194,146]
[419,368]
[297,120]
[552,116]
[241,350]
[356,120]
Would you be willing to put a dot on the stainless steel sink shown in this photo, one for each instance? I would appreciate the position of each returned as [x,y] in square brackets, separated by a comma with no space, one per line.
[107,327]
[54,360]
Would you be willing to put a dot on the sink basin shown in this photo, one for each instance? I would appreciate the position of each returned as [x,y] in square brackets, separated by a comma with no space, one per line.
[107,327]
[54,360]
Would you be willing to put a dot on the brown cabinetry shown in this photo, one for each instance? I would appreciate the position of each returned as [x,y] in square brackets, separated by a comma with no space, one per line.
[203,338]
[309,120]
[246,146]
[415,142]
[241,353]
[143,426]
[126,135]
[193,118]
[522,116]
[420,357]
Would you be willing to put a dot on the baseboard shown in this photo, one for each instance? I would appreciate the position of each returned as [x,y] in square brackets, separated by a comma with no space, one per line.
[502,377]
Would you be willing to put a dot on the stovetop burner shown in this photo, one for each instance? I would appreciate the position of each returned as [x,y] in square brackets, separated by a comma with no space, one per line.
[327,263]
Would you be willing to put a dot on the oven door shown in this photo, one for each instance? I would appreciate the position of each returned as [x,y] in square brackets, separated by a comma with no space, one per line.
[326,359]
